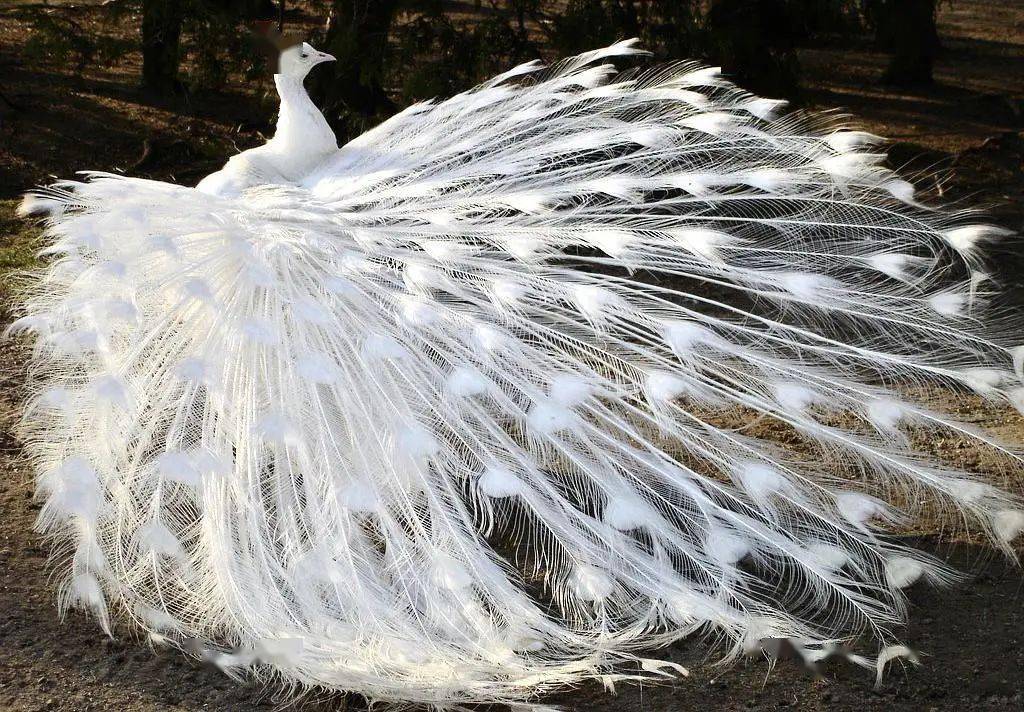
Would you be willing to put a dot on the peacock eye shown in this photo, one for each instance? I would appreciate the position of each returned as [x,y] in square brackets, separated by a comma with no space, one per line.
[303,55]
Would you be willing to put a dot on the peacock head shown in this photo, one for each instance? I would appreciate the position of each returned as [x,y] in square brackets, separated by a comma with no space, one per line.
[296,61]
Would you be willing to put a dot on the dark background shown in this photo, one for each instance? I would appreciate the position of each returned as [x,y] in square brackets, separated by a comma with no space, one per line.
[170,88]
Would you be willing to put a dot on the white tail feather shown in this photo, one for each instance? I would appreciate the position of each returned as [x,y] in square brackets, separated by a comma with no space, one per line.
[287,419]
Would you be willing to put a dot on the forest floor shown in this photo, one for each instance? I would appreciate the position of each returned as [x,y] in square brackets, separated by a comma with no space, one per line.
[967,129]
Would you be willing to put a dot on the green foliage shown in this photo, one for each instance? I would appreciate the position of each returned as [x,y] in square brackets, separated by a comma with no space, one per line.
[667,27]
[585,24]
[753,40]
[436,55]
[217,44]
[830,17]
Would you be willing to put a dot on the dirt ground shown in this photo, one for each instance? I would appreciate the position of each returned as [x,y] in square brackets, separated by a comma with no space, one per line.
[966,130]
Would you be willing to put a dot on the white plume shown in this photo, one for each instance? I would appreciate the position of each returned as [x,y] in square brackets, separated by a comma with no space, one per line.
[291,414]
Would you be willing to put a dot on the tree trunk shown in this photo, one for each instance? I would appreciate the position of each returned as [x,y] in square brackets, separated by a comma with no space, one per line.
[352,93]
[161,36]
[906,28]
[755,41]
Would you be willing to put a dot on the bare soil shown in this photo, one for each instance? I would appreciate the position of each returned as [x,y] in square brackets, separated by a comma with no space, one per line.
[966,131]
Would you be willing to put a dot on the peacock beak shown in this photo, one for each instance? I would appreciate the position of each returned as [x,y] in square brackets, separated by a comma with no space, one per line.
[323,57]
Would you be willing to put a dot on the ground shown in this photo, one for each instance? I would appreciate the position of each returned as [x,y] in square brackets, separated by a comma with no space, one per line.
[966,130]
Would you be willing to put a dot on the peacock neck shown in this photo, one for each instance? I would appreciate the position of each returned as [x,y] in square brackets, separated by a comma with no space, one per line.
[300,125]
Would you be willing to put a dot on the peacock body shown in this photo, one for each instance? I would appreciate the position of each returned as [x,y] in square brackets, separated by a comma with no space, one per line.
[449,414]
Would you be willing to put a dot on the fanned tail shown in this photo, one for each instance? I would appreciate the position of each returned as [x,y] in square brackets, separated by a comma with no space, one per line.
[471,411]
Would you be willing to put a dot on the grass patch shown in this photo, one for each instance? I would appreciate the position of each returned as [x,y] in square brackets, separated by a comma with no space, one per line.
[19,242]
